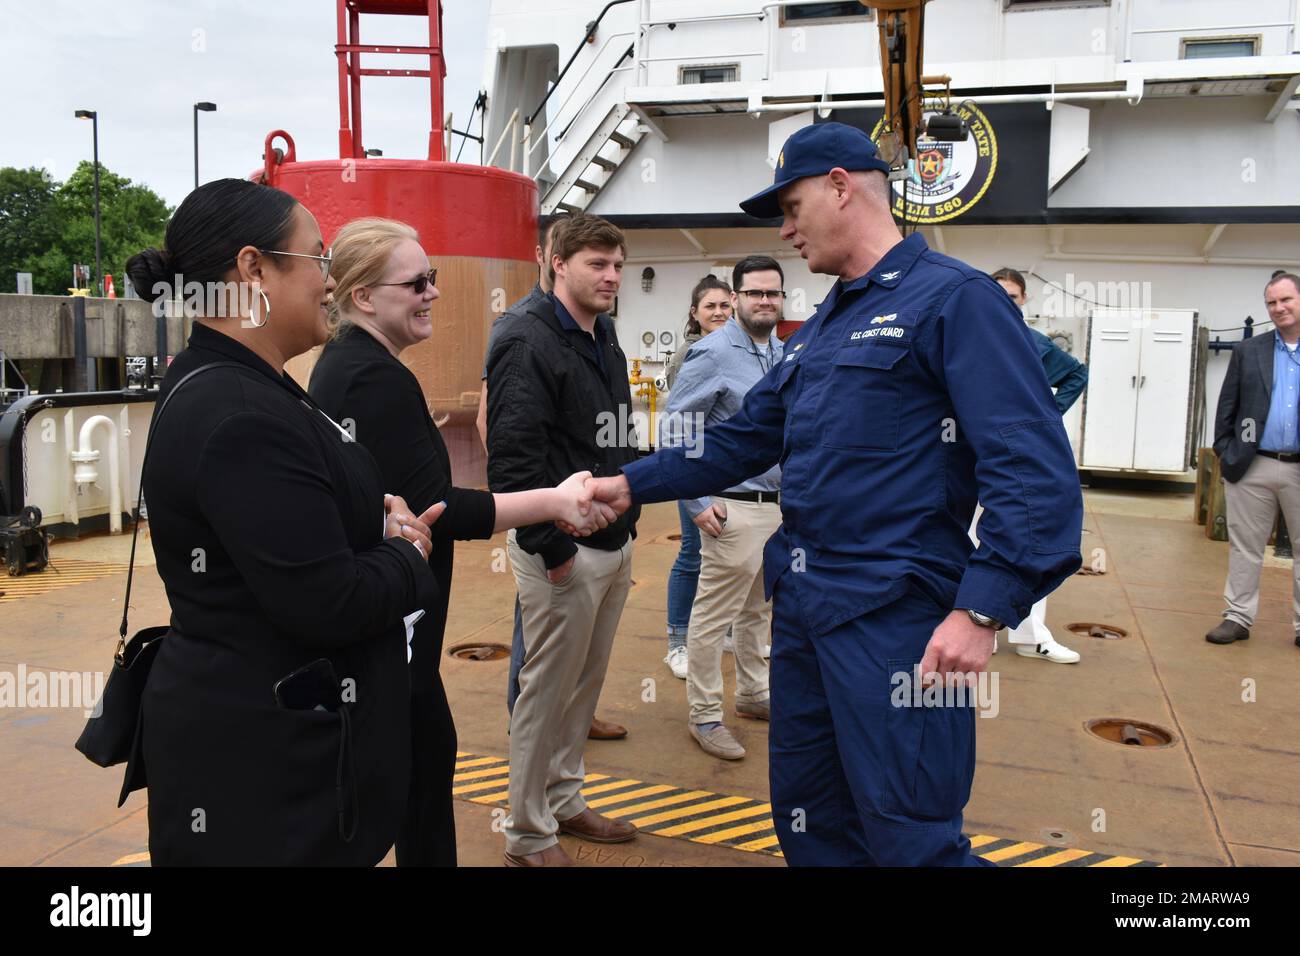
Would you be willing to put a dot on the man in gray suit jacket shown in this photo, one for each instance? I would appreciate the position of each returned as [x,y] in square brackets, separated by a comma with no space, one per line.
[1257,439]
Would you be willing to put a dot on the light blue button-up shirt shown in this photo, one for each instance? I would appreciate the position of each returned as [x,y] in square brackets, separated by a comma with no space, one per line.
[719,369]
[1281,424]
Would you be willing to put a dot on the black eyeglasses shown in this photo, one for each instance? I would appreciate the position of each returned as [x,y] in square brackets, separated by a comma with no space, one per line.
[758,295]
[419,283]
[324,261]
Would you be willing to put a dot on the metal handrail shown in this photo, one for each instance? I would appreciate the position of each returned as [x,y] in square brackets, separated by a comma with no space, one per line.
[529,150]
[577,86]
[594,60]
[1218,28]
[508,128]
[643,28]
[762,16]
[596,92]
[530,145]
[586,38]
[679,57]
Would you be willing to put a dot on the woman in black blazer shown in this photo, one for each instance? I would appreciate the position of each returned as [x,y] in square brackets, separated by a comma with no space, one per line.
[385,289]
[277,549]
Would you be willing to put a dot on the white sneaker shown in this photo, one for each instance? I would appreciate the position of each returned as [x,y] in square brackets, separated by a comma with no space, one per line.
[1049,651]
[676,661]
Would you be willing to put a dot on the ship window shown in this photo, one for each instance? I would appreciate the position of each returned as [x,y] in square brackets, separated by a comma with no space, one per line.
[1203,47]
[821,12]
[714,73]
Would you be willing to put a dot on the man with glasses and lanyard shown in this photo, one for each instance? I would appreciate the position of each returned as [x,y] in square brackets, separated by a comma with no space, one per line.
[718,371]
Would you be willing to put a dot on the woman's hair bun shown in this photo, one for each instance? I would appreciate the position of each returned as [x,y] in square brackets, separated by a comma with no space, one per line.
[149,269]
[205,234]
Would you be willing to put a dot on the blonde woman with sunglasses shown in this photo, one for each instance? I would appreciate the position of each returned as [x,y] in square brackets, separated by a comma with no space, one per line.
[384,304]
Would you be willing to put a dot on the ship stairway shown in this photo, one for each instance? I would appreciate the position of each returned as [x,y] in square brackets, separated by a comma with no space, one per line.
[596,163]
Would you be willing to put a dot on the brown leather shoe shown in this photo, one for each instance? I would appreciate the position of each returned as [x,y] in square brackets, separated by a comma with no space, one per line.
[604,730]
[590,825]
[1227,633]
[551,856]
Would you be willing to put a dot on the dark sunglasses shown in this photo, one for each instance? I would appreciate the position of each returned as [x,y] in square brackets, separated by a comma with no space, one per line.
[419,283]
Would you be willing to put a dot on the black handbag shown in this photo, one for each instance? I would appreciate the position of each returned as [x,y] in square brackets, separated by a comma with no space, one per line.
[110,734]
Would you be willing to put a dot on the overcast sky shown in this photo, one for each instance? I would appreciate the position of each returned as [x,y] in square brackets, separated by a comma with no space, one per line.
[267,64]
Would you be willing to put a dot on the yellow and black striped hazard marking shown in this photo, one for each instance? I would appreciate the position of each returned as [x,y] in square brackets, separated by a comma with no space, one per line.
[702,816]
[62,574]
[737,822]
[1017,853]
[661,809]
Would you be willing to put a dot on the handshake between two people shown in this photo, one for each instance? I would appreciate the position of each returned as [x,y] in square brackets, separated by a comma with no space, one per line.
[596,503]
[591,503]
[580,506]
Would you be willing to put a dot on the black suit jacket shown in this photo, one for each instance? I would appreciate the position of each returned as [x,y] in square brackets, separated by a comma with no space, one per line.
[268,531]
[1243,404]
[359,381]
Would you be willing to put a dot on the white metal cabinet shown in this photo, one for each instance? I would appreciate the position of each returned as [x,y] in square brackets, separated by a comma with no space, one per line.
[1137,408]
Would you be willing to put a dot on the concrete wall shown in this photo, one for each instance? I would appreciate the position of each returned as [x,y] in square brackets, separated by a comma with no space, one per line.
[42,327]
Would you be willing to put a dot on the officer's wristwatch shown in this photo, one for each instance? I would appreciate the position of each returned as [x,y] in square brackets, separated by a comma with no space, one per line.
[983,620]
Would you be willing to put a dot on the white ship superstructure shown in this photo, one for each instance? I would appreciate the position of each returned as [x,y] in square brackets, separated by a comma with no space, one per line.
[1139,156]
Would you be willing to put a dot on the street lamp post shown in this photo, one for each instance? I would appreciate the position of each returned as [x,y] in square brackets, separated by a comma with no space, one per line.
[207,108]
[93,116]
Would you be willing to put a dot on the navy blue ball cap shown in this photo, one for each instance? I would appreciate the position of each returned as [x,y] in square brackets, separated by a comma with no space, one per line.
[814,151]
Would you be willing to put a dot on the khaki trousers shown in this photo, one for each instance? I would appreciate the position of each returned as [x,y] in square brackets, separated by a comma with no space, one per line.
[1252,507]
[568,630]
[730,594]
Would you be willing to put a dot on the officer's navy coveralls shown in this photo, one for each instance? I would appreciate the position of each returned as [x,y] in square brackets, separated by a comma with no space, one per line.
[911,392]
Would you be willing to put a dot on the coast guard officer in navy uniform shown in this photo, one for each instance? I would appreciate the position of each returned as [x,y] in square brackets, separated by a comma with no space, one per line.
[914,390]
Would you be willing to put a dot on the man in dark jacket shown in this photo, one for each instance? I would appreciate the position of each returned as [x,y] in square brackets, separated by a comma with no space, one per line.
[600,729]
[559,401]
[1257,439]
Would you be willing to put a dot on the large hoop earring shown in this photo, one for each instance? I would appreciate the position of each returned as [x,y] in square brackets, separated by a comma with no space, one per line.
[264,312]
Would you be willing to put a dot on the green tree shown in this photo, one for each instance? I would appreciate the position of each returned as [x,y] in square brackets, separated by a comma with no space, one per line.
[30,223]
[132,216]
[55,228]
